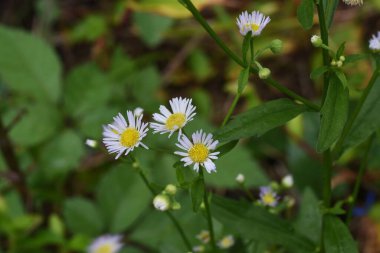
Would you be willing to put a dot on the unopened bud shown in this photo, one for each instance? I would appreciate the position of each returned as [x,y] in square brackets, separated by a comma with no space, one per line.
[339,64]
[264,73]
[240,178]
[91,143]
[342,58]
[171,189]
[287,181]
[316,41]
[333,63]
[161,202]
[176,205]
[276,46]
[138,111]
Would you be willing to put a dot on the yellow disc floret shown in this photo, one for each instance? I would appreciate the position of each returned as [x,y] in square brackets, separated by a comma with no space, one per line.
[268,198]
[175,120]
[198,153]
[255,27]
[106,248]
[129,137]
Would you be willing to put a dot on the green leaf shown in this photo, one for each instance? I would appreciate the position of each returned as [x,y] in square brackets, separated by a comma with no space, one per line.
[29,65]
[151,27]
[200,64]
[305,14]
[340,50]
[254,222]
[116,196]
[243,79]
[368,121]
[355,57]
[309,221]
[61,154]
[341,76]
[89,29]
[330,7]
[42,119]
[224,149]
[245,46]
[197,191]
[336,236]
[86,89]
[318,72]
[260,119]
[82,216]
[334,115]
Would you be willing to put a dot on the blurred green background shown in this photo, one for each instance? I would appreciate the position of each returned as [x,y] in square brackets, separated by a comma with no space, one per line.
[67,67]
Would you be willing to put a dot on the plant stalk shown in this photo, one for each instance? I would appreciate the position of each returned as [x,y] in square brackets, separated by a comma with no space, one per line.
[359,178]
[208,213]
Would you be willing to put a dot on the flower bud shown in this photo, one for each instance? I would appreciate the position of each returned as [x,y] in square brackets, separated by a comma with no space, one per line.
[171,189]
[276,46]
[264,73]
[339,64]
[342,58]
[176,205]
[316,41]
[138,111]
[226,242]
[287,181]
[333,63]
[161,202]
[240,178]
[91,143]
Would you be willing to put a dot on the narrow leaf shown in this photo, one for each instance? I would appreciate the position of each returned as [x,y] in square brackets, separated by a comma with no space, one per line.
[334,115]
[243,79]
[260,119]
[355,57]
[305,14]
[318,72]
[340,50]
[197,191]
[337,238]
[330,8]
[342,77]
[224,149]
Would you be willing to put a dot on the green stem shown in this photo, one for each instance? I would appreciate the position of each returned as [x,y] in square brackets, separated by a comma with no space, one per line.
[208,213]
[355,114]
[170,215]
[327,169]
[189,5]
[359,179]
[231,109]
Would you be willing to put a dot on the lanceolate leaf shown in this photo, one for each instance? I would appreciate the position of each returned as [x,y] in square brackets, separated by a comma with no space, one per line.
[318,72]
[243,79]
[29,65]
[305,13]
[337,238]
[330,7]
[334,115]
[368,120]
[260,119]
[253,222]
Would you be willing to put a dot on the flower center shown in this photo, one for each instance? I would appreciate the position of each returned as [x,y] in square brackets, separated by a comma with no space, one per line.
[255,27]
[106,248]
[198,153]
[129,137]
[175,120]
[268,199]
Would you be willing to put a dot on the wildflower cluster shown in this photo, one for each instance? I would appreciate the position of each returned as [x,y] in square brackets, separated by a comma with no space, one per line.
[124,135]
[225,242]
[165,200]
[106,244]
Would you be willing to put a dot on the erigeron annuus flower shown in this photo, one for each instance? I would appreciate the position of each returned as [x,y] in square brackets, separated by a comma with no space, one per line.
[123,136]
[106,244]
[353,2]
[227,242]
[254,22]
[268,197]
[182,111]
[204,236]
[374,43]
[198,151]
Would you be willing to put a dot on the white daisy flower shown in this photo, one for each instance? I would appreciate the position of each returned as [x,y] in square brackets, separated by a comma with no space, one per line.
[353,2]
[182,111]
[122,136]
[254,22]
[227,242]
[268,197]
[198,152]
[106,244]
[374,43]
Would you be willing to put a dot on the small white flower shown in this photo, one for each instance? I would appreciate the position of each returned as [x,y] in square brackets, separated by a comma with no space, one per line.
[91,143]
[122,136]
[106,244]
[268,197]
[138,111]
[226,242]
[353,2]
[199,248]
[254,22]
[198,151]
[170,121]
[240,178]
[374,43]
[204,236]
[287,181]
[161,202]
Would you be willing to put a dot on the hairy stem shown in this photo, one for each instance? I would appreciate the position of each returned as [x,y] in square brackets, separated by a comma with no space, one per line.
[208,213]
[189,5]
[359,178]
[168,213]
